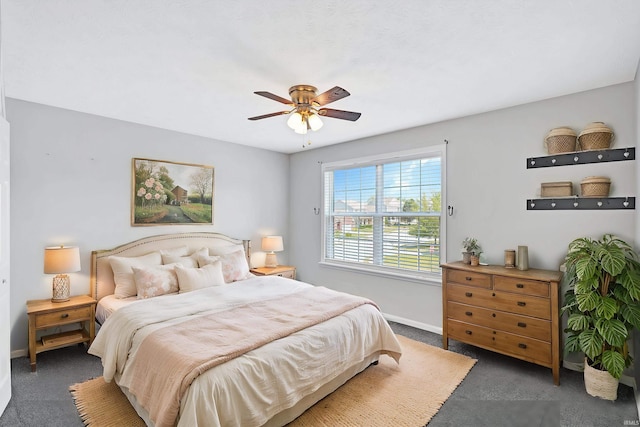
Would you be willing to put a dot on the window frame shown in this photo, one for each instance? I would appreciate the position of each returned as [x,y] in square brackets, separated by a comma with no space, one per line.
[432,278]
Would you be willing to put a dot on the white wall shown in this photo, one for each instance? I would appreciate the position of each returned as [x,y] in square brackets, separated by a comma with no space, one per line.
[71,184]
[488,185]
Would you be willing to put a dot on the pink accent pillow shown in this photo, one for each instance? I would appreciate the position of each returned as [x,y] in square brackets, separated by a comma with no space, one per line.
[155,281]
[234,266]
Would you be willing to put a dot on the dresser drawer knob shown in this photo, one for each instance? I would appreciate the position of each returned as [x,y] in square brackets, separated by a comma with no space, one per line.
[521,345]
[468,278]
[64,316]
[520,286]
[522,324]
[468,313]
[468,332]
[468,294]
[522,303]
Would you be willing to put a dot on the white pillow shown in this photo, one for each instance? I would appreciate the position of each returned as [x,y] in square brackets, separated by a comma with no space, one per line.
[123,274]
[177,251]
[155,281]
[234,266]
[190,279]
[206,259]
[186,261]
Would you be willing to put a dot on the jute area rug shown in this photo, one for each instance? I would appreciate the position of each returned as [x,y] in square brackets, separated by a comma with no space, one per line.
[387,394]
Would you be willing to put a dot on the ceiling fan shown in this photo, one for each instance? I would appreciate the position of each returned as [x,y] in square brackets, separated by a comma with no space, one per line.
[305,103]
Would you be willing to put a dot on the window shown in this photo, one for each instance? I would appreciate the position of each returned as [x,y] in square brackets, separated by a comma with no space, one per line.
[384,214]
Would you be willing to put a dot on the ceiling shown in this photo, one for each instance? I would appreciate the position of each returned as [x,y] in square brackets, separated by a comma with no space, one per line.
[192,65]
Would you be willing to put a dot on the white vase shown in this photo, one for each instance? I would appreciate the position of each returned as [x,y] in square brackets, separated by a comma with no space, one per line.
[600,383]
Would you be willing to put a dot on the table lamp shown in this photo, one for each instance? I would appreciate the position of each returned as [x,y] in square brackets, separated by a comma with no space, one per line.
[60,260]
[272,244]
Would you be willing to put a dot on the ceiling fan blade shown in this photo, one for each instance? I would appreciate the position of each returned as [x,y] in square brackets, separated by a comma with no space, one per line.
[275,97]
[266,116]
[331,95]
[339,114]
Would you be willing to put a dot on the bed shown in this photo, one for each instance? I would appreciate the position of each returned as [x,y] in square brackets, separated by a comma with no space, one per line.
[242,350]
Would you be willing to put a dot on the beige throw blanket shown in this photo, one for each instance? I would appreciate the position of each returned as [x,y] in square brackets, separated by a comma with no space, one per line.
[171,358]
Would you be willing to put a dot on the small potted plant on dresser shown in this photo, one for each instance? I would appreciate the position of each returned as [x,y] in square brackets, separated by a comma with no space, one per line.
[470,247]
[603,306]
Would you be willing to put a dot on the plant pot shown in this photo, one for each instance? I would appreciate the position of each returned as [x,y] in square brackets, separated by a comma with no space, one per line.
[475,260]
[600,383]
[466,257]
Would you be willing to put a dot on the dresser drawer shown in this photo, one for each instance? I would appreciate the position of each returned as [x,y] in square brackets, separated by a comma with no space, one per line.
[469,279]
[521,286]
[62,317]
[495,319]
[505,301]
[503,342]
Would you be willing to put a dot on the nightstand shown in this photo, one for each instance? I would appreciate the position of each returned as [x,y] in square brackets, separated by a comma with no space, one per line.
[282,270]
[44,314]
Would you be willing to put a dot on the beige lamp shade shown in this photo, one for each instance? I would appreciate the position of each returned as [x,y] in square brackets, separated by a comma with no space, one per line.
[272,244]
[60,260]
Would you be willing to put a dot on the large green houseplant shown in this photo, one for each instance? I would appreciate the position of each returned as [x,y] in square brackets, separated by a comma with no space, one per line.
[602,301]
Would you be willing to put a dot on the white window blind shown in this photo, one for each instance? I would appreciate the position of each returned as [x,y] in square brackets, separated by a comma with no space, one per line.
[385,213]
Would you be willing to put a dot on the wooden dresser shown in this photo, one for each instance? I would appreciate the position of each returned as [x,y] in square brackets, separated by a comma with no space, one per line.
[504,310]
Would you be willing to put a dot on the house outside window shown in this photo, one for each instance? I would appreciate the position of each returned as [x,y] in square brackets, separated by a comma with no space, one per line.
[384,214]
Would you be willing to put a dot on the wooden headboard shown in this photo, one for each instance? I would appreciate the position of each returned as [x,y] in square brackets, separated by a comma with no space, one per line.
[102,276]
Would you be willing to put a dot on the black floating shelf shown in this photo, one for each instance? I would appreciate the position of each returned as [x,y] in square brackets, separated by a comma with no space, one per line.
[581,203]
[582,157]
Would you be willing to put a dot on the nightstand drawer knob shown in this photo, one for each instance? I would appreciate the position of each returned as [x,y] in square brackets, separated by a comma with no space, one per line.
[468,313]
[64,316]
[468,278]
[522,325]
[522,303]
[468,294]
[468,332]
[519,286]
[521,345]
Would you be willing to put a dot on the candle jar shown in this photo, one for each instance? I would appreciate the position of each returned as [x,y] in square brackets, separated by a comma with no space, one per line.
[509,258]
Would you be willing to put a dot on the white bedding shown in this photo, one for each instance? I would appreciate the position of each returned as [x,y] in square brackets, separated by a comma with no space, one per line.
[253,388]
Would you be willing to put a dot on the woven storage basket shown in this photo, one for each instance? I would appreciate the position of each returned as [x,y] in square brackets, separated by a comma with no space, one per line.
[595,186]
[560,140]
[595,136]
[600,383]
[556,189]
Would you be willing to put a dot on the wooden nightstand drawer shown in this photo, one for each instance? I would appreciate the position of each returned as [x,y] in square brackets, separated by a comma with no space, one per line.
[63,317]
[285,271]
[291,274]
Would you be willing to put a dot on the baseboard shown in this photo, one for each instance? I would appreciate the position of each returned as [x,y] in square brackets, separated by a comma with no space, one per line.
[413,323]
[23,352]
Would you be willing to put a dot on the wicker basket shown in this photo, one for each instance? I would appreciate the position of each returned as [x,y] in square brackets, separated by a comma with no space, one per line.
[600,383]
[595,186]
[556,189]
[595,136]
[560,140]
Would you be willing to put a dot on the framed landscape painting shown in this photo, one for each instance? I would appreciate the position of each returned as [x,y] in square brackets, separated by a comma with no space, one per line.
[170,193]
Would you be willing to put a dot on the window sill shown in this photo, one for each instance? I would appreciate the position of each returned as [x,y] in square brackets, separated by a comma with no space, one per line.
[425,279]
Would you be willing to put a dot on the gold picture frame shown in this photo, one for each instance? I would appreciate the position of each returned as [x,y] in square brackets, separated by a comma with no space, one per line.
[171,193]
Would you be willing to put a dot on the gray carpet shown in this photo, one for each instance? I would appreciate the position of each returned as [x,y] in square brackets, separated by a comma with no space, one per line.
[499,391]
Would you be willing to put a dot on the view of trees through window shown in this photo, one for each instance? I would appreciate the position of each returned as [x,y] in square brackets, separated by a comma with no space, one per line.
[385,214]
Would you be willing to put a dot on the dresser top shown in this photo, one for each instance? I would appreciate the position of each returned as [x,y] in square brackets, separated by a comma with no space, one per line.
[532,273]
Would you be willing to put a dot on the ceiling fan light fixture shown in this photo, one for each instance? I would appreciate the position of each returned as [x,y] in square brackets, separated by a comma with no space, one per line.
[302,130]
[295,121]
[314,122]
